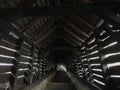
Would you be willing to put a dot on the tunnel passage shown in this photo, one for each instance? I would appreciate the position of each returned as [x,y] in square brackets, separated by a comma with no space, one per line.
[60,82]
[37,35]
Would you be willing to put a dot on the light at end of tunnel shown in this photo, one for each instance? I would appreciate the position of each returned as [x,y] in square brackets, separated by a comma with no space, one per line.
[110,25]
[61,67]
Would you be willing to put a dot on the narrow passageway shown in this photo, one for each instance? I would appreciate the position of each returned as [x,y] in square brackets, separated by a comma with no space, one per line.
[80,37]
[60,82]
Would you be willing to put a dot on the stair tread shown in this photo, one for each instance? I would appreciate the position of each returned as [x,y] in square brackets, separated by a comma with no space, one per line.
[60,82]
[60,85]
[60,88]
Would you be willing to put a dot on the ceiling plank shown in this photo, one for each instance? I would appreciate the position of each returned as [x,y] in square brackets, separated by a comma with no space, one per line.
[113,18]
[28,3]
[65,10]
[67,40]
[85,22]
[68,36]
[71,33]
[44,31]
[41,28]
[49,40]
[46,35]
[75,27]
[30,23]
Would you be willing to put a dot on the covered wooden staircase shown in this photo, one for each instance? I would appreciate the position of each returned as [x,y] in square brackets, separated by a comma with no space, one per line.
[37,35]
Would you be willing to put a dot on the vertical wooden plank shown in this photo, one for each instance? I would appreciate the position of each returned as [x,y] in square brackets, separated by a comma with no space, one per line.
[16,64]
[31,72]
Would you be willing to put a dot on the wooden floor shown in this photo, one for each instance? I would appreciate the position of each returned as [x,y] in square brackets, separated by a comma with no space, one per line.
[60,82]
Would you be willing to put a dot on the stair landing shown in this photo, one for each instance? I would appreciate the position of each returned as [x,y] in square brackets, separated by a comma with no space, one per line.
[60,82]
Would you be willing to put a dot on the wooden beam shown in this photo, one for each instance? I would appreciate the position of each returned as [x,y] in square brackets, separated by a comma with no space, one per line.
[71,33]
[28,3]
[49,40]
[112,18]
[75,27]
[85,22]
[69,37]
[65,10]
[30,23]
[67,40]
[46,35]
[42,28]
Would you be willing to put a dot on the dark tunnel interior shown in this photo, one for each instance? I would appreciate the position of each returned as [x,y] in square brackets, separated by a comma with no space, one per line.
[62,51]
[59,44]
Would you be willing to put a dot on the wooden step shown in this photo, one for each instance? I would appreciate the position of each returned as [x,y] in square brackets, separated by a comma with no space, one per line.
[60,86]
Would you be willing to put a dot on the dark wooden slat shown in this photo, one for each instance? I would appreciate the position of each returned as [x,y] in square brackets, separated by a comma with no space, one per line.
[24,52]
[75,27]
[24,59]
[41,29]
[85,22]
[6,52]
[2,43]
[49,40]
[24,66]
[67,40]
[71,33]
[30,23]
[5,69]
[45,36]
[72,39]
[64,10]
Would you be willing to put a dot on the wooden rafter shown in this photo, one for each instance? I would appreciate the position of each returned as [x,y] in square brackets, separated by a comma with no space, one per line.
[75,27]
[71,33]
[69,37]
[42,28]
[67,40]
[49,40]
[85,22]
[46,35]
[31,23]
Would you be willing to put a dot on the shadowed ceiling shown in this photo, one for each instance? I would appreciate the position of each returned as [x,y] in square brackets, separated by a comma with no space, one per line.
[35,20]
